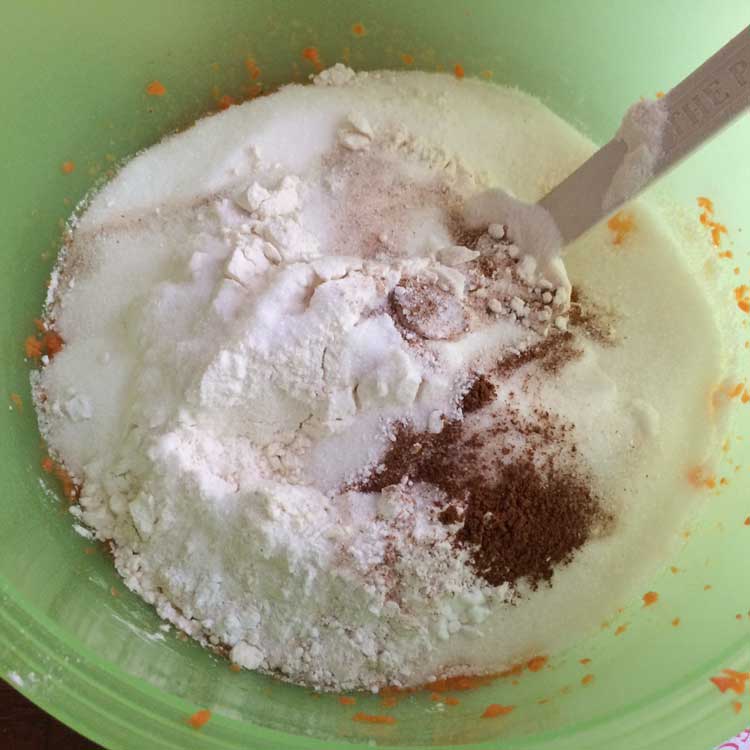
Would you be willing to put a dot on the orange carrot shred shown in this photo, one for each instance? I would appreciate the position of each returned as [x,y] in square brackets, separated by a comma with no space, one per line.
[373,718]
[537,663]
[156,88]
[451,701]
[407,59]
[675,622]
[33,348]
[252,68]
[621,629]
[458,70]
[346,700]
[200,718]
[17,401]
[649,598]
[737,706]
[67,167]
[621,224]
[587,679]
[47,464]
[747,521]
[235,668]
[495,709]
[584,661]
[731,680]
[358,29]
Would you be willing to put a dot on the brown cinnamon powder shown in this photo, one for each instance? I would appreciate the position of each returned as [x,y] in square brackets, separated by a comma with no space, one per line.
[521,514]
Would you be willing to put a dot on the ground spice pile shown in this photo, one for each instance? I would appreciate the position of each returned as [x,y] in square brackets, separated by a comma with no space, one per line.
[521,506]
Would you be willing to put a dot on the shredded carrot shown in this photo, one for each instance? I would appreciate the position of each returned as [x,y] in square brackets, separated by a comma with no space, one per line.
[697,477]
[458,70]
[742,297]
[156,88]
[674,569]
[723,481]
[716,228]
[52,342]
[17,401]
[495,709]
[745,396]
[436,697]
[649,598]
[200,718]
[407,59]
[675,622]
[252,68]
[584,661]
[738,617]
[621,629]
[731,680]
[33,348]
[235,668]
[587,679]
[312,54]
[659,94]
[373,718]
[67,167]
[737,706]
[451,701]
[537,663]
[707,587]
[225,101]
[346,700]
[747,521]
[621,224]
[47,464]
[358,29]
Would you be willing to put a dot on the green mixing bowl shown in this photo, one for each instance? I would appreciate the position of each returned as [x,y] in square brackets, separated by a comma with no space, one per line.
[74,77]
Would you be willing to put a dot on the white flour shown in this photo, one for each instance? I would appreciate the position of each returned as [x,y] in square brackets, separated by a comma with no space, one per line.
[246,312]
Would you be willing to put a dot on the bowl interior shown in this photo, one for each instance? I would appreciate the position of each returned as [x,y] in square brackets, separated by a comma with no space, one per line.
[75,640]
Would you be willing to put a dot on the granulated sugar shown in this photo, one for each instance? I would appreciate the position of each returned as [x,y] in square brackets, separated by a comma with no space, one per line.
[325,395]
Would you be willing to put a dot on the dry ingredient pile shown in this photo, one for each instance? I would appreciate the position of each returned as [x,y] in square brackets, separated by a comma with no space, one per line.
[340,416]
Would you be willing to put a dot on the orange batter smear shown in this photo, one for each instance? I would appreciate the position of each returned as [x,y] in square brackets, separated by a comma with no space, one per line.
[252,68]
[312,54]
[200,718]
[649,598]
[347,700]
[67,167]
[621,224]
[373,718]
[17,401]
[156,88]
[495,709]
[731,680]
[407,59]
[676,622]
[359,30]
[621,629]
[587,679]
[458,71]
